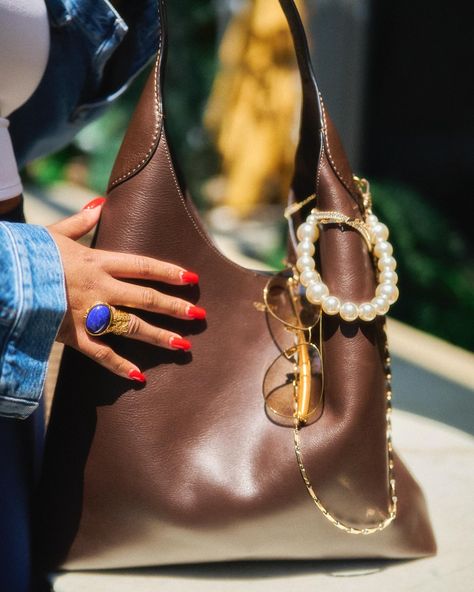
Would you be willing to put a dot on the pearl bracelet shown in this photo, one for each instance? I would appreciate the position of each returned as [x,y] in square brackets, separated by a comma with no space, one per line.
[376,235]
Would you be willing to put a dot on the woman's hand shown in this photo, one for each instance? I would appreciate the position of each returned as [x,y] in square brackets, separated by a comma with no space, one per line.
[95,276]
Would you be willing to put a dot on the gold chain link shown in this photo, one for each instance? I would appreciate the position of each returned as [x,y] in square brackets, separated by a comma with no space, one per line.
[364,187]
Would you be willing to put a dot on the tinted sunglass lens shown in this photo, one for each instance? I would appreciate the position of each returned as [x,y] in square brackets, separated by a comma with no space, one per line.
[280,387]
[287,302]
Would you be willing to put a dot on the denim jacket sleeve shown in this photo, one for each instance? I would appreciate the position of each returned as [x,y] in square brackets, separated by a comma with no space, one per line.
[32,306]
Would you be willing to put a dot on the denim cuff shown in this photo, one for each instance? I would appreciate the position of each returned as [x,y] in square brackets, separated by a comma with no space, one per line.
[32,305]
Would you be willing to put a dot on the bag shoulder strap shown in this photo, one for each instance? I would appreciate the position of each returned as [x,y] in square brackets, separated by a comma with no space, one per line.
[310,142]
[144,132]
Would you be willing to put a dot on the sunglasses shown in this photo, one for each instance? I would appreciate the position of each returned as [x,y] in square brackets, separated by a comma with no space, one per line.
[294,382]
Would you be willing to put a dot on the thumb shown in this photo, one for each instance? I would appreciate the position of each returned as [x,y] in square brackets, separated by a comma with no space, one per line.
[81,223]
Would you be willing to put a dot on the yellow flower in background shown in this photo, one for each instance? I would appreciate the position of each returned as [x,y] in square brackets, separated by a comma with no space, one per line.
[253,111]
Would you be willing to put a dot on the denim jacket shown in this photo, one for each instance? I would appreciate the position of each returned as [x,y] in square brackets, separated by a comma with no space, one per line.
[93,57]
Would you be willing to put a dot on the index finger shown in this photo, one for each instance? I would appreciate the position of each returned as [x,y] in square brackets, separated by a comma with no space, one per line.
[125,265]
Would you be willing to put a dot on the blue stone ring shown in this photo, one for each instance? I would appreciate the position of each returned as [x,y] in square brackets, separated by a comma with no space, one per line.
[102,318]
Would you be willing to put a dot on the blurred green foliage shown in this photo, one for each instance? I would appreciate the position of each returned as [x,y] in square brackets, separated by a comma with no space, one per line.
[435,265]
[436,275]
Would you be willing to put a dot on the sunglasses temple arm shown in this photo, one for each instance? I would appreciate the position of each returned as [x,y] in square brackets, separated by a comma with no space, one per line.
[303,396]
[304,379]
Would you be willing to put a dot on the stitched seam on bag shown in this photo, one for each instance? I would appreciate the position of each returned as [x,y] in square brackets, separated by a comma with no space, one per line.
[328,148]
[158,115]
[191,217]
[318,175]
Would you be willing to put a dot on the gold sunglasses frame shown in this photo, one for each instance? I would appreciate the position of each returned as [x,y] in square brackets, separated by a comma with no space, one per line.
[302,367]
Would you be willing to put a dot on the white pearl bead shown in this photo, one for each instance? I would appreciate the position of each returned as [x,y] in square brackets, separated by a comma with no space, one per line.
[331,305]
[383,248]
[311,219]
[372,220]
[387,262]
[379,232]
[305,262]
[349,311]
[380,304]
[308,276]
[316,291]
[307,231]
[305,247]
[388,291]
[367,311]
[388,277]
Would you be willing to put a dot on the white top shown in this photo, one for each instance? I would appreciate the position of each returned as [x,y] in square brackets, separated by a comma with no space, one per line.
[24,50]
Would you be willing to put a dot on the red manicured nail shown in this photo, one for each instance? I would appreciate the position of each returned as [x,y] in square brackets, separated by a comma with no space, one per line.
[180,343]
[95,203]
[137,375]
[189,277]
[196,312]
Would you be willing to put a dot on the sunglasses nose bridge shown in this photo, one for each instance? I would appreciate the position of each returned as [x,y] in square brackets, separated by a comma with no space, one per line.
[288,305]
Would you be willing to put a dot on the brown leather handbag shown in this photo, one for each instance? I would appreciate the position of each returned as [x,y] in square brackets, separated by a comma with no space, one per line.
[271,440]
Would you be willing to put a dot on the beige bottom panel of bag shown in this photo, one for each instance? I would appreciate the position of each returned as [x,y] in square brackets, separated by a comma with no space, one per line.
[440,456]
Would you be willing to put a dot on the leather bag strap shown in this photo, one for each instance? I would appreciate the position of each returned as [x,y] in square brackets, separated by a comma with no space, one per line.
[145,138]
[310,140]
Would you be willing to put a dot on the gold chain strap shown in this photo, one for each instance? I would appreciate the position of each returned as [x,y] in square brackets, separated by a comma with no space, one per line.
[392,507]
[361,227]
[362,184]
[332,217]
[295,207]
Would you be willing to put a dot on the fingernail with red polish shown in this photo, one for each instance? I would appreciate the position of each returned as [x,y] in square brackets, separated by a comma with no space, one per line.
[95,203]
[196,312]
[189,277]
[180,343]
[137,375]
